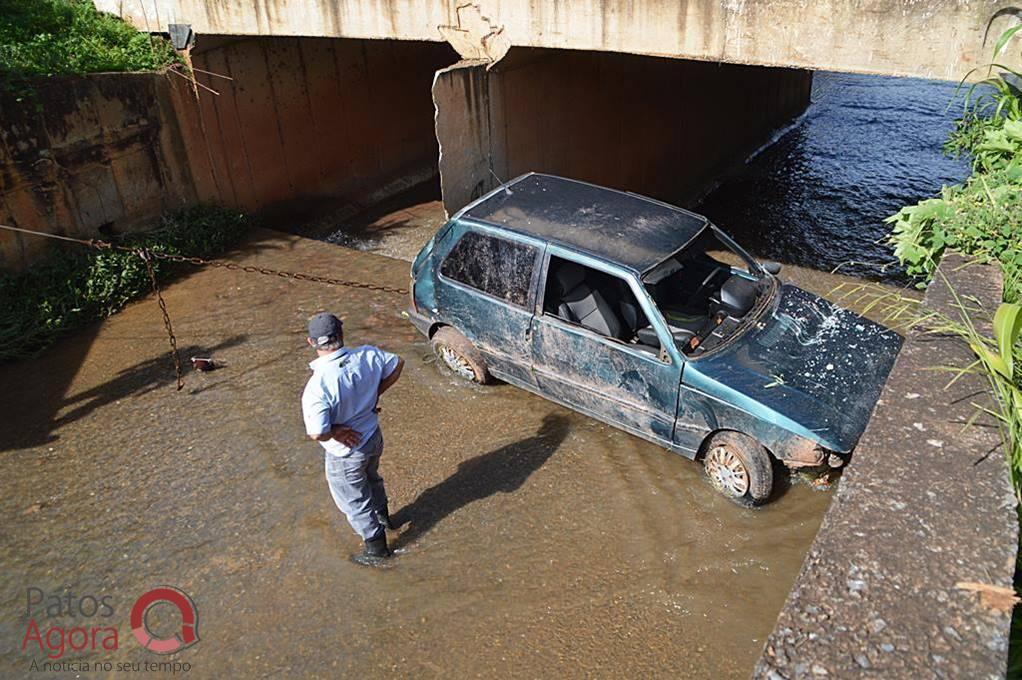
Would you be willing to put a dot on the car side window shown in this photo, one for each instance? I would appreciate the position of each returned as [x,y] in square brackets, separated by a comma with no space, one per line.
[493,265]
[597,301]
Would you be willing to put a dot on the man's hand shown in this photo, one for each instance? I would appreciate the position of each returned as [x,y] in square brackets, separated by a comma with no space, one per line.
[345,435]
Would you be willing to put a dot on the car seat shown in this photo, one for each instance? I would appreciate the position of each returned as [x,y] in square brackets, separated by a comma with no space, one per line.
[581,303]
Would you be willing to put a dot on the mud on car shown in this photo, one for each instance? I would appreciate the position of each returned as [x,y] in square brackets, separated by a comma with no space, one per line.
[649,318]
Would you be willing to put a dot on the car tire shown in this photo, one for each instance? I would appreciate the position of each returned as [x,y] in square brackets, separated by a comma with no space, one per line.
[457,353]
[739,467]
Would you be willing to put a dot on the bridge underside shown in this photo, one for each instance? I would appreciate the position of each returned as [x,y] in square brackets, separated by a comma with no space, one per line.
[662,127]
[307,124]
[941,39]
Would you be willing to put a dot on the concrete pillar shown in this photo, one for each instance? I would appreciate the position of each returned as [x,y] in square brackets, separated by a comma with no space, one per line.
[662,127]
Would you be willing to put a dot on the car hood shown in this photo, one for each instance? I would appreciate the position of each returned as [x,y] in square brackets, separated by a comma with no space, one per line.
[808,366]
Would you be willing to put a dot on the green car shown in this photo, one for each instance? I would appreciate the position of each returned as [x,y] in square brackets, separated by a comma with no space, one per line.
[650,318]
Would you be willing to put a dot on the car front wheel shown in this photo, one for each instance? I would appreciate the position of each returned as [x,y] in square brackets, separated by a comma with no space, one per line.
[739,467]
[457,353]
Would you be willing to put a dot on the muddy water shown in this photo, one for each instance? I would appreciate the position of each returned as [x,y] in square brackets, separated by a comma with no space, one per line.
[534,542]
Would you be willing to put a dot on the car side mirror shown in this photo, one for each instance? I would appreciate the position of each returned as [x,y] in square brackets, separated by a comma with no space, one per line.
[773,268]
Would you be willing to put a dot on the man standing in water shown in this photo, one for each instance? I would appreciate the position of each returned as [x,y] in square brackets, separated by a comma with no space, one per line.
[340,410]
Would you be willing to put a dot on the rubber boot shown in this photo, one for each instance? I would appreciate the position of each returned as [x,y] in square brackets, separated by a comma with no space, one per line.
[375,552]
[383,515]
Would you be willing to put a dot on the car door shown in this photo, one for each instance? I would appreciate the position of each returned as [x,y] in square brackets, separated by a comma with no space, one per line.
[630,386]
[485,287]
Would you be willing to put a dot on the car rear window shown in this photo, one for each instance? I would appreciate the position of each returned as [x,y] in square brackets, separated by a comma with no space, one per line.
[496,266]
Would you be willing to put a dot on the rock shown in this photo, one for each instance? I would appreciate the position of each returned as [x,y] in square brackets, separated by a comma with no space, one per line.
[875,626]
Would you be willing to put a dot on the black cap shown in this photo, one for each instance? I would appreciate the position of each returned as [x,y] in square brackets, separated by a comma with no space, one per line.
[324,328]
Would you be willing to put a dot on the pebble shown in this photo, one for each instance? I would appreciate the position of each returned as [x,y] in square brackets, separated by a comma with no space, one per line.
[875,626]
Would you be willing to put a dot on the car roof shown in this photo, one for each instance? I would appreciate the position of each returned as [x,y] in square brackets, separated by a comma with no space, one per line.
[616,226]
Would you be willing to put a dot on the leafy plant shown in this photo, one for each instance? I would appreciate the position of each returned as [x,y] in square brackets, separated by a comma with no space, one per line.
[78,286]
[983,216]
[58,37]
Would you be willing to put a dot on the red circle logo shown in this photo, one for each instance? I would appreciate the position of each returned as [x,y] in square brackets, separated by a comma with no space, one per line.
[186,637]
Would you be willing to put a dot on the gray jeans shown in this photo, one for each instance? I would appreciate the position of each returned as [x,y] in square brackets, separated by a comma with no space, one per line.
[357,487]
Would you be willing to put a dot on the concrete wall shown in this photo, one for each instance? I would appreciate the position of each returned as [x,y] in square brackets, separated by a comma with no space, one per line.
[81,153]
[910,575]
[662,127]
[308,119]
[926,38]
[295,121]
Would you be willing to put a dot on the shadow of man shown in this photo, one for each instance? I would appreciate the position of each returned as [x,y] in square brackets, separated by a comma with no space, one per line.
[504,469]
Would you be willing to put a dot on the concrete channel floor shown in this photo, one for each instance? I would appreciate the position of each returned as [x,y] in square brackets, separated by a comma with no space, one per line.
[536,541]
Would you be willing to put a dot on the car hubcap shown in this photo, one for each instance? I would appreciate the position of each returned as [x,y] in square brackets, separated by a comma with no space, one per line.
[726,471]
[457,363]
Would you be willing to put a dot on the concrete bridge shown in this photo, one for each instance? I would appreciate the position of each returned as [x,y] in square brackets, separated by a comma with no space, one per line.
[940,39]
[329,101]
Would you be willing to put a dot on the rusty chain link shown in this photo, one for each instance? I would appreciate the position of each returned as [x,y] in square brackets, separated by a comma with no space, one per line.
[147,256]
[296,276]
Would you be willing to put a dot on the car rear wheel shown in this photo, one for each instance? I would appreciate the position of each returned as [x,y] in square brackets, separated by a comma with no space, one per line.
[457,353]
[739,467]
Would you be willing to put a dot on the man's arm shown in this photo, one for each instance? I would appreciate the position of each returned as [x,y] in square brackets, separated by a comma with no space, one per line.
[344,435]
[389,381]
[318,427]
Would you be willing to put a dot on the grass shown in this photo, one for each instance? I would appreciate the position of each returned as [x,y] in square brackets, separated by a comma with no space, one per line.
[983,217]
[77,286]
[60,37]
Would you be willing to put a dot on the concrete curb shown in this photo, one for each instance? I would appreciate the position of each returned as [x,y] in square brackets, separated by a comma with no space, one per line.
[924,506]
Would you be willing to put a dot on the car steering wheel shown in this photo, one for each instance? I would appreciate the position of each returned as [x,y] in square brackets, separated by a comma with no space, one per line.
[706,283]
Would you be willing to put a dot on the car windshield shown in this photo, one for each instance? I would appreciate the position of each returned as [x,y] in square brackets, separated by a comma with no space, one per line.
[707,290]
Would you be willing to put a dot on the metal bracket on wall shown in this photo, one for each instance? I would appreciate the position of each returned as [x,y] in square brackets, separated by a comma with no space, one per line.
[182,37]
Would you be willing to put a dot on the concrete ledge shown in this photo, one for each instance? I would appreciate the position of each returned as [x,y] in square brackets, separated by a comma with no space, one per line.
[924,505]
[868,36]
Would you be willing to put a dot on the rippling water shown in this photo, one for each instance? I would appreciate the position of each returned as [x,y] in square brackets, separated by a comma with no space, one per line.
[867,146]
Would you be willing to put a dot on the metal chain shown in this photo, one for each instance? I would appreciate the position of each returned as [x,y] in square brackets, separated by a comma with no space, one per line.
[201,261]
[296,276]
[146,256]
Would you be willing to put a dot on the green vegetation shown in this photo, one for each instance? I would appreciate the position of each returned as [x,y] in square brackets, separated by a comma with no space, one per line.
[56,37]
[983,217]
[78,285]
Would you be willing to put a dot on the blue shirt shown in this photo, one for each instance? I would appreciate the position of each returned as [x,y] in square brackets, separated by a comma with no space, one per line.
[343,390]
